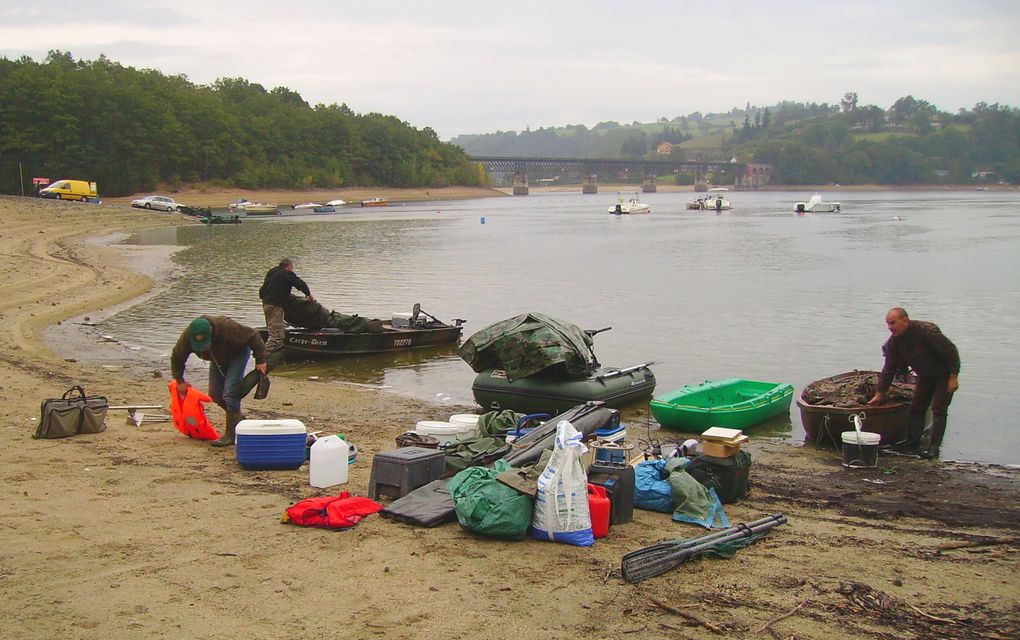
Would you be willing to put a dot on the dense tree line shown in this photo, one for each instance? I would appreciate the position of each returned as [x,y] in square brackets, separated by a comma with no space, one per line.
[909,142]
[131,130]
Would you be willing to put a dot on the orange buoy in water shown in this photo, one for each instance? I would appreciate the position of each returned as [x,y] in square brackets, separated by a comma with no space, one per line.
[189,415]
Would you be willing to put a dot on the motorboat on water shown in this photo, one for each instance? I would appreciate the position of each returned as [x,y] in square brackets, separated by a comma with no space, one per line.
[260,209]
[306,205]
[253,208]
[375,202]
[714,202]
[816,205]
[630,205]
[336,203]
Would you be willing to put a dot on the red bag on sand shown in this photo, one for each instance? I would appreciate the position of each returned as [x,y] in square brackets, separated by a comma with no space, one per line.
[347,512]
[331,512]
[189,416]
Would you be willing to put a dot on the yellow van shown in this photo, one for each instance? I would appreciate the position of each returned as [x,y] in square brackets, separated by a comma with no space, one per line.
[70,190]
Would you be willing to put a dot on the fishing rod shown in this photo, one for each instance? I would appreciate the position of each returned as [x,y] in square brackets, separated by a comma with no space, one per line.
[658,559]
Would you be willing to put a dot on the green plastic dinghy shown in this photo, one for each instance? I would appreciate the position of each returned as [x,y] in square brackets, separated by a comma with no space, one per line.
[734,403]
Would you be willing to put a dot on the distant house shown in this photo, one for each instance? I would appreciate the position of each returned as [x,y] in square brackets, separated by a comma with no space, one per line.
[664,148]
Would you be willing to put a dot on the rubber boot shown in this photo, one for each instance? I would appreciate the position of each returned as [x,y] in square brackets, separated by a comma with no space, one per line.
[915,429]
[227,439]
[273,359]
[938,431]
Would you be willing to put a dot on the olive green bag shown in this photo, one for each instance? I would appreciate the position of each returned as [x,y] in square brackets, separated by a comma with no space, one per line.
[71,414]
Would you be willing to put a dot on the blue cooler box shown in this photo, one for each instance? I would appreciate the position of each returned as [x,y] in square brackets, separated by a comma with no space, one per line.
[270,444]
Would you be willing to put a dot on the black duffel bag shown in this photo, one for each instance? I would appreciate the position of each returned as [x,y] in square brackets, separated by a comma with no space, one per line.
[730,477]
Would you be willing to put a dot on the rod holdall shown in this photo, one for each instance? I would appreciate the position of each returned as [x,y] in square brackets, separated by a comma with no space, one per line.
[71,414]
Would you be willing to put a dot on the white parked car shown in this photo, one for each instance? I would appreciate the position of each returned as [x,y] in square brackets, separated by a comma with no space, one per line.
[162,203]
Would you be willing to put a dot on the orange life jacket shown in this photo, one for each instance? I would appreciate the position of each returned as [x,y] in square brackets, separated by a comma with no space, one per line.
[189,416]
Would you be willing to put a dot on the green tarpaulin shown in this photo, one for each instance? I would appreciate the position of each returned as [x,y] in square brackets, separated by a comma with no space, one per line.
[529,343]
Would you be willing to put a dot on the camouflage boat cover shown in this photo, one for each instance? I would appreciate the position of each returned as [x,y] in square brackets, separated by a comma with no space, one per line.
[529,343]
[309,314]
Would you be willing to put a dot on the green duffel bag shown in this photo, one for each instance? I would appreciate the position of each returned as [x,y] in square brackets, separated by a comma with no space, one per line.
[730,477]
[489,507]
[71,414]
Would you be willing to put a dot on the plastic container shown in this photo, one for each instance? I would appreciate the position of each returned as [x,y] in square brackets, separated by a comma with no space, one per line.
[399,472]
[598,507]
[618,480]
[607,445]
[860,449]
[327,465]
[270,444]
[468,422]
[445,432]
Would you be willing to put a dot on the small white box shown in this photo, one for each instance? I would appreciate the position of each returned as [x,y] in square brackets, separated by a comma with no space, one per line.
[401,320]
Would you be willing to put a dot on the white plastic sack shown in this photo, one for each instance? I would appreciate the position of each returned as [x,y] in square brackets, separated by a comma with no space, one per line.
[561,502]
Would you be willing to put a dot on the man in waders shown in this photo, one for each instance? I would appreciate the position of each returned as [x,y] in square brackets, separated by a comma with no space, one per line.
[936,361]
[275,294]
[226,345]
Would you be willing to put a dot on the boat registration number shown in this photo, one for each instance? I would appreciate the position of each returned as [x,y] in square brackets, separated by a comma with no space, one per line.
[402,342]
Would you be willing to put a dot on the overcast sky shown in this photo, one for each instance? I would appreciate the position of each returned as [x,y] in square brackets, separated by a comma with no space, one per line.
[476,67]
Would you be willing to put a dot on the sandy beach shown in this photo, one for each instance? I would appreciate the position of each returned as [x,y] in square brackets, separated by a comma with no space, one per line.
[139,532]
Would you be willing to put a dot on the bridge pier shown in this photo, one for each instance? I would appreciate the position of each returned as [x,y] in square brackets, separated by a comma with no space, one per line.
[590,184]
[649,185]
[520,184]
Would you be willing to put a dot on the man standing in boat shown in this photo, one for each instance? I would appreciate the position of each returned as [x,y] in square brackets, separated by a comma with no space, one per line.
[275,294]
[935,360]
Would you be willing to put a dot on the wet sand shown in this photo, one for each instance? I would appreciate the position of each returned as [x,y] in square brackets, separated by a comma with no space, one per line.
[140,532]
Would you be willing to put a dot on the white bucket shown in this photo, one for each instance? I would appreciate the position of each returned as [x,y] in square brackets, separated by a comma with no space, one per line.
[860,449]
[327,461]
[468,423]
[445,432]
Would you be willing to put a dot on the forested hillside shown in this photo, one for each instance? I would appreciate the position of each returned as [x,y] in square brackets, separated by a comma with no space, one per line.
[910,142]
[131,130]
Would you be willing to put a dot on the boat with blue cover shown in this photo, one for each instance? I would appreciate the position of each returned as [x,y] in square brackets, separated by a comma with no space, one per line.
[734,403]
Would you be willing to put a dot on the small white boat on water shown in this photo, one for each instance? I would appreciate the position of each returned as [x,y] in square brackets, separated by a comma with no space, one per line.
[305,205]
[714,202]
[815,205]
[630,205]
[336,203]
[260,209]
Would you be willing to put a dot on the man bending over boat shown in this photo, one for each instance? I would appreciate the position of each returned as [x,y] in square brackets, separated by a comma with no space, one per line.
[935,360]
[275,294]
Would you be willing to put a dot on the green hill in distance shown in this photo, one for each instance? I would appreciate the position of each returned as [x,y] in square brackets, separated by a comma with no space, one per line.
[910,142]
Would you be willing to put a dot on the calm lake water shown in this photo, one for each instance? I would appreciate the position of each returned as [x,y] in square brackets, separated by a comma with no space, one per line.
[757,292]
